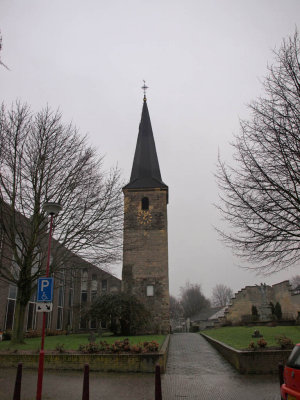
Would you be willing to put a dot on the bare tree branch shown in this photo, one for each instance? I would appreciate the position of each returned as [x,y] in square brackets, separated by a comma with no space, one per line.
[260,193]
[42,159]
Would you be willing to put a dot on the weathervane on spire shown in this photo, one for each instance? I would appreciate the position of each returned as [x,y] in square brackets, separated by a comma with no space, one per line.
[144,87]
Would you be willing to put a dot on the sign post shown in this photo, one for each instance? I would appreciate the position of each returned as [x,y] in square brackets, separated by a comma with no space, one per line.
[45,294]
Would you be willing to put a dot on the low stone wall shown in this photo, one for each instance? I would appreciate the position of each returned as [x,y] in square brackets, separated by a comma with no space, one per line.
[97,362]
[251,362]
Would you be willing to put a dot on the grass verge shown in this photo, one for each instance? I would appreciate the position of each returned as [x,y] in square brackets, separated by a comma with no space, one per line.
[72,342]
[239,337]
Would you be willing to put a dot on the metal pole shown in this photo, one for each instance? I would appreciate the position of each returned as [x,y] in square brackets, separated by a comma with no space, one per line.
[17,391]
[42,353]
[86,383]
[280,372]
[158,395]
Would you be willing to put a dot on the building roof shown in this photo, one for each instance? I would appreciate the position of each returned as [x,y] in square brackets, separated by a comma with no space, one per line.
[145,171]
[205,314]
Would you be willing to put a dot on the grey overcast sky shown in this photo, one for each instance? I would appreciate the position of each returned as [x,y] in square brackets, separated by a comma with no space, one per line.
[203,62]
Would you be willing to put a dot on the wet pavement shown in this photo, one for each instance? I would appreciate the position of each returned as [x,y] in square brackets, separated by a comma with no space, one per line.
[195,370]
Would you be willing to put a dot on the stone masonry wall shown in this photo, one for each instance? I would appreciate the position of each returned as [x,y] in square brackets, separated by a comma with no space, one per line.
[145,253]
[242,303]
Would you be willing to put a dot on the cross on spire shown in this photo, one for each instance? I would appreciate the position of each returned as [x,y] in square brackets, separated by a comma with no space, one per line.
[144,87]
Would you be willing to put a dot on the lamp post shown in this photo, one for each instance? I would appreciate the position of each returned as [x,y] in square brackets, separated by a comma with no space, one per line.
[51,209]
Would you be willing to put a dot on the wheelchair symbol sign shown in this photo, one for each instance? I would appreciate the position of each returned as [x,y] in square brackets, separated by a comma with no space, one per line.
[45,289]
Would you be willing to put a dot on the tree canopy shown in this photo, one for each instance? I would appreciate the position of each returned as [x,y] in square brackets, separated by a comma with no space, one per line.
[260,191]
[44,160]
[193,300]
[221,295]
[123,312]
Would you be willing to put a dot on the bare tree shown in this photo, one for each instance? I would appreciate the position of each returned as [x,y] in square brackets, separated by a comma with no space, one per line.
[295,281]
[260,193]
[193,300]
[176,310]
[1,63]
[221,295]
[42,159]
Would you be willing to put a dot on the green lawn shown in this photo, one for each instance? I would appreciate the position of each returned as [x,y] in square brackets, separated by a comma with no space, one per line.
[72,342]
[239,337]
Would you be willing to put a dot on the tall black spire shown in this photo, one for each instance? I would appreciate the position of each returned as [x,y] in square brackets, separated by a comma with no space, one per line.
[145,171]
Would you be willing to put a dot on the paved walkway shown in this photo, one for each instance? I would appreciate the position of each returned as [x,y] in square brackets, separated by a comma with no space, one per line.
[194,371]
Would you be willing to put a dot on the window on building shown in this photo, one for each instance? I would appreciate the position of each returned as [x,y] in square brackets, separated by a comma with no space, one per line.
[10,311]
[31,316]
[150,290]
[93,323]
[48,320]
[60,296]
[69,319]
[83,299]
[145,203]
[94,285]
[10,306]
[104,285]
[84,279]
[60,304]
[71,295]
[83,323]
[93,296]
[59,318]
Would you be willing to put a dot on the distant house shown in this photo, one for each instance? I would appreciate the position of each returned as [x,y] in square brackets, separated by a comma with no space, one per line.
[207,318]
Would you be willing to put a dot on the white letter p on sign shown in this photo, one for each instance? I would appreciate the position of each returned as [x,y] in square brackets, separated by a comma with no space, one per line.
[44,284]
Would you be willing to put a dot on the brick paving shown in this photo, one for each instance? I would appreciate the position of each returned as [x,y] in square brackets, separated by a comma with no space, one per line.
[195,371]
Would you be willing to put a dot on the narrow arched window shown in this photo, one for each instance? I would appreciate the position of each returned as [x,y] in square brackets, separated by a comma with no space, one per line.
[145,203]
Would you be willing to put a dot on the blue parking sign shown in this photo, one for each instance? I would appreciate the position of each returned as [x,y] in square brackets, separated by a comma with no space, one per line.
[45,289]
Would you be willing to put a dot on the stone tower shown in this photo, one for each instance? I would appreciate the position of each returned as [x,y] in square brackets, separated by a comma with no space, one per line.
[145,251]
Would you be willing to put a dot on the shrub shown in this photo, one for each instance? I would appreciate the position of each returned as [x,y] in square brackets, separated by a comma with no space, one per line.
[104,346]
[150,347]
[262,343]
[136,348]
[252,346]
[6,335]
[32,334]
[60,348]
[284,342]
[194,328]
[89,348]
[55,333]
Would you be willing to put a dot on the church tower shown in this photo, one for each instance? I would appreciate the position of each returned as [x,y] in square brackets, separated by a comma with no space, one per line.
[145,251]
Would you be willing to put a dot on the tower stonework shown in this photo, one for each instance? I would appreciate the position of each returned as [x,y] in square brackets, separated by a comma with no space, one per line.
[145,248]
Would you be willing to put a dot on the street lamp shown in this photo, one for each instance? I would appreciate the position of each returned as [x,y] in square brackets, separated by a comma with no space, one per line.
[51,209]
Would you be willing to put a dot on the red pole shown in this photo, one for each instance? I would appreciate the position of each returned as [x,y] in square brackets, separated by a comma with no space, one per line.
[17,391]
[158,395]
[86,384]
[42,353]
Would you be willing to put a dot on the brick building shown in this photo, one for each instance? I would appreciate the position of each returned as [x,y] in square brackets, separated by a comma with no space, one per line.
[75,286]
[145,247]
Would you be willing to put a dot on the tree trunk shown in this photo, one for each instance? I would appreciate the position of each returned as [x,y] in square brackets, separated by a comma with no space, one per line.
[22,300]
[19,318]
